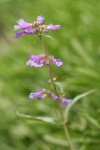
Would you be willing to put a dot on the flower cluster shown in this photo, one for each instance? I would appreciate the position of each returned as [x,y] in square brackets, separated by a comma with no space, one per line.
[39,60]
[36,60]
[37,27]
[40,94]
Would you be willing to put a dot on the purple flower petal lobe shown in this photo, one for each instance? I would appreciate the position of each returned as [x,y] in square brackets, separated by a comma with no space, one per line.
[19,34]
[53,27]
[40,18]
[23,24]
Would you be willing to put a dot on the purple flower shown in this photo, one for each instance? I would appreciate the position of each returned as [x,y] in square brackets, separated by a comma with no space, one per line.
[25,27]
[56,62]
[37,27]
[36,60]
[65,101]
[53,27]
[37,94]
[52,95]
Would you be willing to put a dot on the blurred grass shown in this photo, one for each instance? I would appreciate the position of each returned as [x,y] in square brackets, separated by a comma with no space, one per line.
[77,43]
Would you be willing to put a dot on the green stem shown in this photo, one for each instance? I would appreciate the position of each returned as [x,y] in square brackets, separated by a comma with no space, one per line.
[60,108]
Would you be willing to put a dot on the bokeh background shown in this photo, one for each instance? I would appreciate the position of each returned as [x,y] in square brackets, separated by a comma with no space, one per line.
[77,44]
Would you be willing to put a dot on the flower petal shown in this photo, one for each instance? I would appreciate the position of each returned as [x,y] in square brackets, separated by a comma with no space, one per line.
[19,34]
[40,18]
[53,27]
[17,27]
[24,24]
[29,31]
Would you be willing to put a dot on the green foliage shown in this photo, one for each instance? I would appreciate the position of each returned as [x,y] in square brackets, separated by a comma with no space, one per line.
[77,45]
[77,98]
[39,118]
[59,88]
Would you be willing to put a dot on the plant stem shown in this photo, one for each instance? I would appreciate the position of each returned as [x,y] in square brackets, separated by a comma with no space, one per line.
[61,112]
[60,108]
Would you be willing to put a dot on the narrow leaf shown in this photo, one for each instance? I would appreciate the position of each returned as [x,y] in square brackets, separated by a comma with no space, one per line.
[67,110]
[48,36]
[62,142]
[92,121]
[39,118]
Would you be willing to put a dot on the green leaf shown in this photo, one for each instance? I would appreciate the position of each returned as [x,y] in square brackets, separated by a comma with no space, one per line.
[92,121]
[77,98]
[55,140]
[39,118]
[62,142]
[48,36]
[59,87]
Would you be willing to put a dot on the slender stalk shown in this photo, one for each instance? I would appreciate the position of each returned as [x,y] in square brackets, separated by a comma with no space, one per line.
[42,43]
[60,108]
[61,112]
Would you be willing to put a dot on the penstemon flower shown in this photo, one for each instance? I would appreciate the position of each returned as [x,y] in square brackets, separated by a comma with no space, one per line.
[36,94]
[39,94]
[56,62]
[52,95]
[37,27]
[65,101]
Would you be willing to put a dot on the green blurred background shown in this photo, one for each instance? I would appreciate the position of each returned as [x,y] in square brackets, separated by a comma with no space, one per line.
[77,44]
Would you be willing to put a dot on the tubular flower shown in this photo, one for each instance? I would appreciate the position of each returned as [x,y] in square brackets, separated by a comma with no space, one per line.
[39,94]
[36,60]
[65,101]
[52,95]
[37,27]
[56,62]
